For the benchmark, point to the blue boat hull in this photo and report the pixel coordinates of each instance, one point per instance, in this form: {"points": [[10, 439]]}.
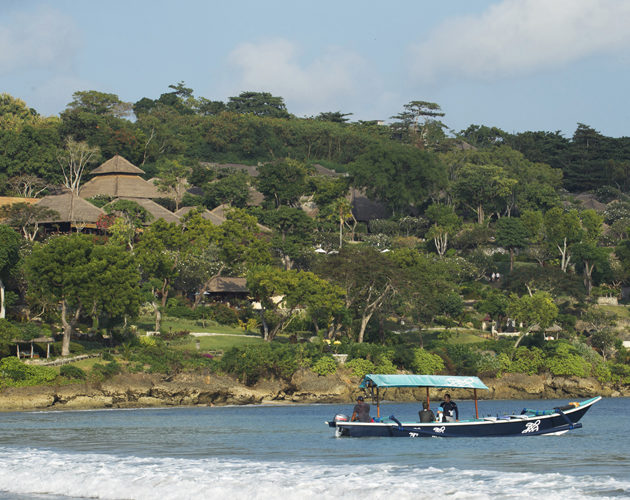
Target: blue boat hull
{"points": [[557, 421]]}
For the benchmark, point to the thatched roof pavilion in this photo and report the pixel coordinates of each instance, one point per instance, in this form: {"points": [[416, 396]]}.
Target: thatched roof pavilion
{"points": [[118, 177], [71, 209]]}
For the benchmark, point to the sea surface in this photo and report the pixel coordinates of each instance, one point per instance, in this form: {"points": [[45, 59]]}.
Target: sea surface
{"points": [[287, 452]]}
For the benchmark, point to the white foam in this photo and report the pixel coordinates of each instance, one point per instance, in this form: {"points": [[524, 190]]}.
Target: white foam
{"points": [[36, 472]]}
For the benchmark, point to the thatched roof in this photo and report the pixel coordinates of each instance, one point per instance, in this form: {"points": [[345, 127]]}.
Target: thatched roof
{"points": [[206, 214], [119, 185], [365, 210], [71, 208], [157, 211], [589, 200], [117, 165], [255, 198], [221, 284]]}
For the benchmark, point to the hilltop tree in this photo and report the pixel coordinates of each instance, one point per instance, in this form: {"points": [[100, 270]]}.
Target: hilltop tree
{"points": [[259, 104], [418, 125]]}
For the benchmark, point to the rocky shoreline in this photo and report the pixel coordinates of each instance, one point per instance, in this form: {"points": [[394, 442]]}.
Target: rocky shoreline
{"points": [[146, 390]]}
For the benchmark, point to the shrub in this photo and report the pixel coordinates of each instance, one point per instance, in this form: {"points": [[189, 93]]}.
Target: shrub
{"points": [[250, 363], [106, 371], [385, 366], [72, 371], [570, 365], [223, 314], [360, 367], [528, 361], [326, 365], [427, 363], [15, 373]]}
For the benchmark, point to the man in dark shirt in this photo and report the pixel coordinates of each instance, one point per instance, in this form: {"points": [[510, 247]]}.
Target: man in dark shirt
{"points": [[426, 415], [451, 413], [361, 411]]}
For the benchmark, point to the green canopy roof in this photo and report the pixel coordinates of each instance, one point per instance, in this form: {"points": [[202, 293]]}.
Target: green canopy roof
{"points": [[444, 381]]}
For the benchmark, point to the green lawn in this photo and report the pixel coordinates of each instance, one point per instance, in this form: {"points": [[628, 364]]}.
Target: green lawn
{"points": [[147, 324], [622, 312], [215, 342]]}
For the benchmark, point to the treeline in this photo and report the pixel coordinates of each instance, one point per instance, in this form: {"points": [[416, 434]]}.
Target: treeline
{"points": [[482, 228]]}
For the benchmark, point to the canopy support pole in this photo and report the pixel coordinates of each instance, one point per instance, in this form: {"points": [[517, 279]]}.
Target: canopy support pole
{"points": [[378, 405], [476, 408], [428, 402]]}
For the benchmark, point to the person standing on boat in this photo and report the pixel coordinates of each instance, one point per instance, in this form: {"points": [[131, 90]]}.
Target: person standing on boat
{"points": [[451, 412], [426, 415], [361, 411]]}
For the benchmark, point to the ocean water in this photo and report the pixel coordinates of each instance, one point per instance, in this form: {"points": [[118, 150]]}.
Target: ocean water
{"points": [[287, 452]]}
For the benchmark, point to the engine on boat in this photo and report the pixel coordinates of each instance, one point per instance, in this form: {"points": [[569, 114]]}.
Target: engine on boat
{"points": [[340, 417]]}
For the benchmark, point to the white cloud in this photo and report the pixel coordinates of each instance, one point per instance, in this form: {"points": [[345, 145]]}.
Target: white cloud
{"points": [[273, 66], [39, 39], [521, 37]]}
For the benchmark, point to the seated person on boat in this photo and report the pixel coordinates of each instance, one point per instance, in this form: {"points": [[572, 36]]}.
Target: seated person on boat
{"points": [[361, 411], [426, 415]]}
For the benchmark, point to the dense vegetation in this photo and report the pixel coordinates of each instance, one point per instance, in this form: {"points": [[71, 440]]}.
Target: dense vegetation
{"points": [[484, 226]]}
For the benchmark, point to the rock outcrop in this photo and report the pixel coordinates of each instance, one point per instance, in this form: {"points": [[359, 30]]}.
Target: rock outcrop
{"points": [[152, 390]]}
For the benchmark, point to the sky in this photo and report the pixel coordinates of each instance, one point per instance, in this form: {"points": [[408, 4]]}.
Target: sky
{"points": [[514, 64]]}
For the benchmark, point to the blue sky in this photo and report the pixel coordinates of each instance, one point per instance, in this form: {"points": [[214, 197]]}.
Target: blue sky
{"points": [[515, 64]]}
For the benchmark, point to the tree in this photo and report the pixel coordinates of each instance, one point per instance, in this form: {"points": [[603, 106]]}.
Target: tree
{"points": [[233, 190], [604, 341], [398, 175], [14, 113], [72, 273], [98, 103], [172, 179], [367, 277], [27, 186], [293, 235], [592, 256], [297, 289], [445, 223], [562, 229], [259, 104], [9, 256], [511, 234], [481, 187], [240, 244], [282, 181], [536, 308], [26, 217], [73, 160], [417, 124], [130, 216], [495, 305]]}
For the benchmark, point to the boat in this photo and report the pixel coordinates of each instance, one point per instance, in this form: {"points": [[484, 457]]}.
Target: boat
{"points": [[528, 422]]}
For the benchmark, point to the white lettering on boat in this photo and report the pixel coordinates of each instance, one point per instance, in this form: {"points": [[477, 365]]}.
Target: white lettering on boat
{"points": [[531, 427], [413, 434], [439, 430]]}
